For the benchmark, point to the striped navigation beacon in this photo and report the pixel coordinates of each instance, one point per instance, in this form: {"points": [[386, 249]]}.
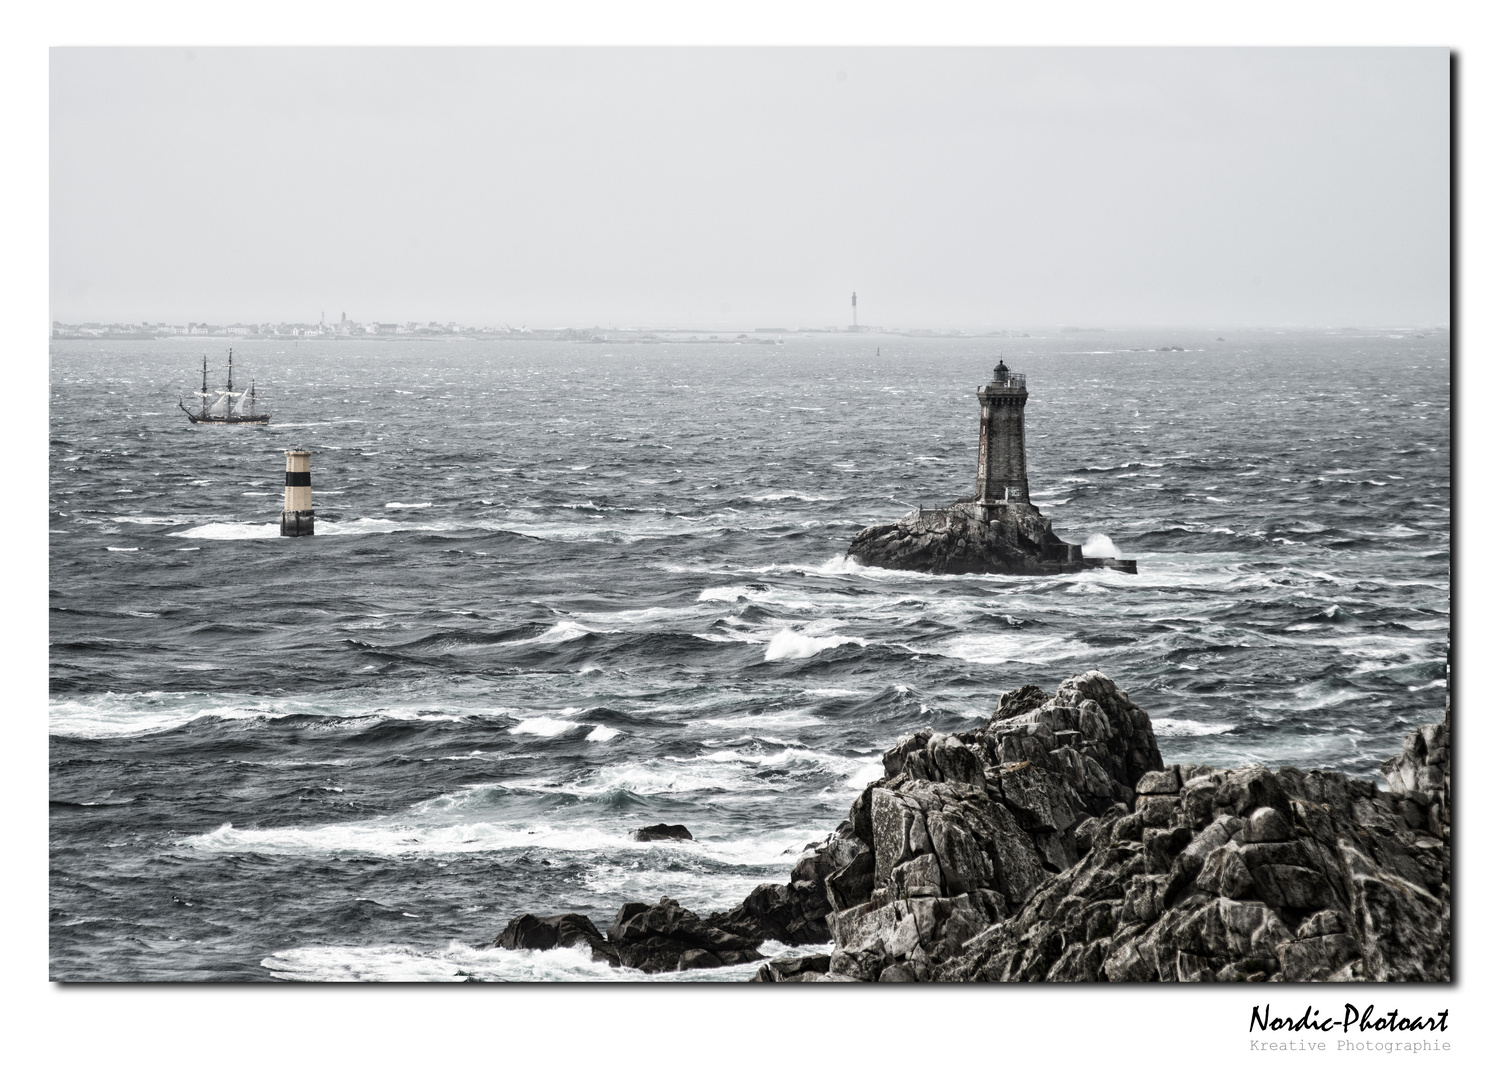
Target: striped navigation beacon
{"points": [[296, 514]]}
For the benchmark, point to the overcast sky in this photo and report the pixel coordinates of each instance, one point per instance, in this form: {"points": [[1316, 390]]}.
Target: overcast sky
{"points": [[752, 187]]}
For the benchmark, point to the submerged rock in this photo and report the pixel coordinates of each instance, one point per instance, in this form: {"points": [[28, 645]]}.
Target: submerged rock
{"points": [[661, 832]]}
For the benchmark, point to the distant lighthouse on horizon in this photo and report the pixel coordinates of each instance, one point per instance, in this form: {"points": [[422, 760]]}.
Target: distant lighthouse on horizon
{"points": [[855, 326]]}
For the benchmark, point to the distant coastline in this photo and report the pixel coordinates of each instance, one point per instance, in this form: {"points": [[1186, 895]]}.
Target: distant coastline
{"points": [[455, 332]]}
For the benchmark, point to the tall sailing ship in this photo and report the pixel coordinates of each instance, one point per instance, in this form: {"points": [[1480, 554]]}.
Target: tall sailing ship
{"points": [[227, 400]]}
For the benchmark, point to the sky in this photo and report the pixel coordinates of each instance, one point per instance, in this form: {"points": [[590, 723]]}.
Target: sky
{"points": [[972, 188]]}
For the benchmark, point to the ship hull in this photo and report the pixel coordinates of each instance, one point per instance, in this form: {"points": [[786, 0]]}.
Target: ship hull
{"points": [[221, 421]]}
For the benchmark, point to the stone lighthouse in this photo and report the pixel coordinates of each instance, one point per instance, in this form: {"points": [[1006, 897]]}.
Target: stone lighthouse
{"points": [[1001, 475], [997, 529]]}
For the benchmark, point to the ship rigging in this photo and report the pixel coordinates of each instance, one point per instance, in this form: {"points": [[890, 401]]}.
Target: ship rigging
{"points": [[238, 406]]}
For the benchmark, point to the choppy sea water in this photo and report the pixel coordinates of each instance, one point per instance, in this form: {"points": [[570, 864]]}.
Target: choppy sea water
{"points": [[560, 591]]}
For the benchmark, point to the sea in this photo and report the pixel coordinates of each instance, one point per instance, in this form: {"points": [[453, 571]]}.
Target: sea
{"points": [[563, 590]]}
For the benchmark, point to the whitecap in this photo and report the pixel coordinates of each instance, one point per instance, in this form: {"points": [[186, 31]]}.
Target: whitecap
{"points": [[546, 727], [723, 593], [566, 630], [1169, 727], [1010, 649], [790, 645], [780, 496], [233, 531], [406, 506], [602, 733]]}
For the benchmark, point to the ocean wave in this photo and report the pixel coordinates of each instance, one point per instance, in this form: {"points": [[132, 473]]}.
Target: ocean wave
{"points": [[546, 727], [1167, 727], [1012, 649], [781, 496], [112, 716], [566, 630], [465, 823], [791, 645], [460, 963]]}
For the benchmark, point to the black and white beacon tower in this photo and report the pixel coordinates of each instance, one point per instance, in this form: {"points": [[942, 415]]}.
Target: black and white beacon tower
{"points": [[296, 512], [1001, 474]]}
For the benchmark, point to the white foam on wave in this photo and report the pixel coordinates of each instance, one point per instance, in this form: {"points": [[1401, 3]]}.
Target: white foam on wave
{"points": [[233, 530], [113, 716], [1171, 727], [1099, 546], [781, 496], [791, 645], [458, 963], [602, 733], [726, 594], [546, 727], [635, 616], [610, 532], [1010, 648], [403, 836], [862, 778], [566, 630], [771, 721], [373, 526], [474, 821], [729, 770], [406, 506]]}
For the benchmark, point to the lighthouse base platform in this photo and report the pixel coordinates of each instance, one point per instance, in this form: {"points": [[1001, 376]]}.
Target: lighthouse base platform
{"points": [[296, 522], [969, 537]]}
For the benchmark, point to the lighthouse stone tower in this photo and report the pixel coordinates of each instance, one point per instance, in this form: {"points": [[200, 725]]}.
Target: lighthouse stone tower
{"points": [[1001, 475], [997, 529]]}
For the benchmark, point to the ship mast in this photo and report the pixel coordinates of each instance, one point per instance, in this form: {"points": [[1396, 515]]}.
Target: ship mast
{"points": [[229, 401], [203, 399]]}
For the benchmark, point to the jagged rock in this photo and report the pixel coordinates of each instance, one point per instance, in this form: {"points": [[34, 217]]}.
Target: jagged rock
{"points": [[1054, 844], [956, 539], [794, 969], [1198, 900], [795, 914], [529, 932], [667, 937], [662, 832], [1018, 702], [555, 932], [1420, 777]]}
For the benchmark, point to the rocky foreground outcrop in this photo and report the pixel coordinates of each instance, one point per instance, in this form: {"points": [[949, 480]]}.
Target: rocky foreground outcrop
{"points": [[1053, 844]]}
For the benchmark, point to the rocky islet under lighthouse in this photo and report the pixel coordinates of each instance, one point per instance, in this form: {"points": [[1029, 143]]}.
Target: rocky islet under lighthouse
{"points": [[996, 530]]}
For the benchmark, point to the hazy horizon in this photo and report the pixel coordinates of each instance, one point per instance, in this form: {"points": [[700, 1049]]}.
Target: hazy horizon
{"points": [[966, 188]]}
